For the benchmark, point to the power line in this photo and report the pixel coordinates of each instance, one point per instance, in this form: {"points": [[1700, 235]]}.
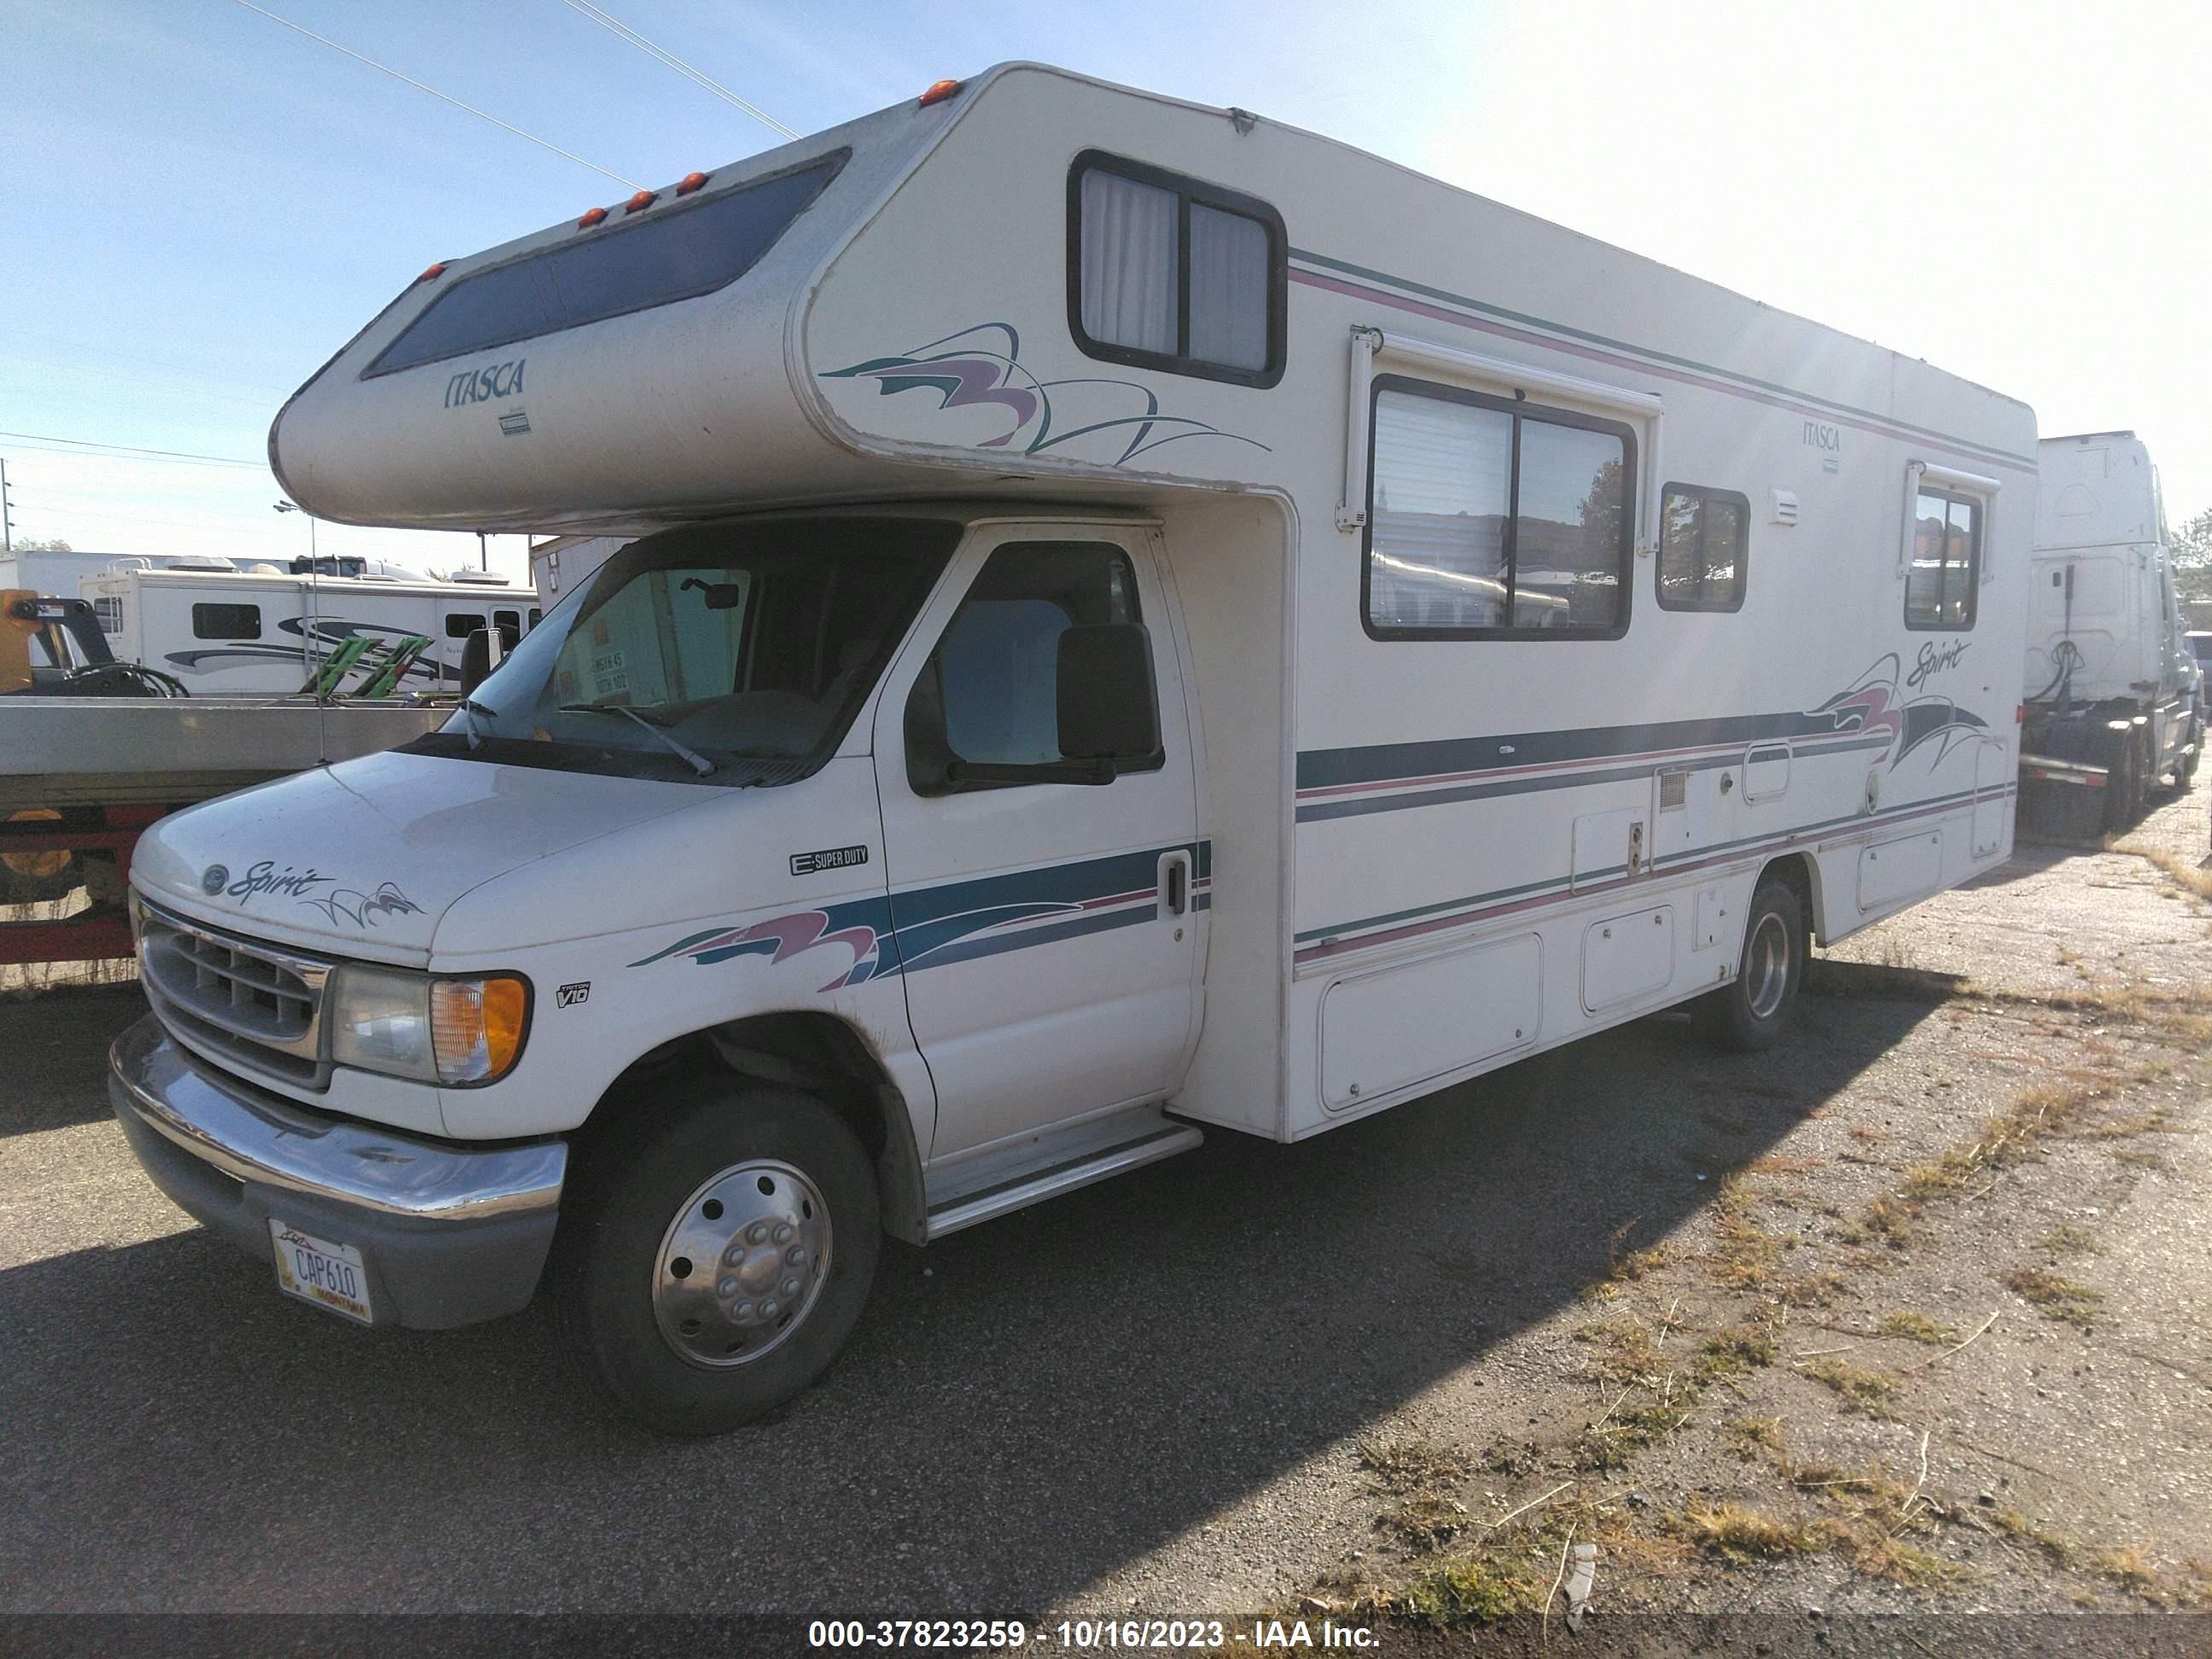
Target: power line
{"points": [[446, 97], [623, 31], [129, 449]]}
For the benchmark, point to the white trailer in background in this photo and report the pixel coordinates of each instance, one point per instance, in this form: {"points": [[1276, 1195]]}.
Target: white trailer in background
{"points": [[2114, 690], [261, 631], [1154, 619]]}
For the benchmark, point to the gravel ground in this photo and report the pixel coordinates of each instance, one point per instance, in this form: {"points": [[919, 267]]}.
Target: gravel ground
{"points": [[1259, 1376]]}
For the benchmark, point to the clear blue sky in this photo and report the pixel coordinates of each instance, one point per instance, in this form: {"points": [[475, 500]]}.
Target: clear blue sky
{"points": [[204, 204]]}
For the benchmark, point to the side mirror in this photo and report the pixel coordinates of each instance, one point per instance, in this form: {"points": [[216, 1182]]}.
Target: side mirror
{"points": [[720, 595], [481, 653], [1107, 706]]}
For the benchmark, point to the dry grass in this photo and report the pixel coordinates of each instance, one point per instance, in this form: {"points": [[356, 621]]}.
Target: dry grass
{"points": [[1738, 1532], [2054, 1296], [1919, 1328], [2067, 1239], [2127, 1567], [1870, 1393], [1411, 1466], [1734, 1352], [2015, 1525], [2190, 877], [1756, 1434]]}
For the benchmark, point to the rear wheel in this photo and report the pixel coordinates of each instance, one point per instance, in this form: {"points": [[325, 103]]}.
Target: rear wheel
{"points": [[1752, 1012], [34, 878], [718, 1271], [2184, 773], [2123, 782]]}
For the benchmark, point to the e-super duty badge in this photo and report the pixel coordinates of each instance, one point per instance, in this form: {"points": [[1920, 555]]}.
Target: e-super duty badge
{"points": [[830, 857]]}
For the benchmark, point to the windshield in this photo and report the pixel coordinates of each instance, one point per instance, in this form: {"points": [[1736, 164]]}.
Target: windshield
{"points": [[725, 654]]}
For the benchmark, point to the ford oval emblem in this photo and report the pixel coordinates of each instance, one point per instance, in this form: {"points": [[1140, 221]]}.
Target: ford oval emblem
{"points": [[213, 879]]}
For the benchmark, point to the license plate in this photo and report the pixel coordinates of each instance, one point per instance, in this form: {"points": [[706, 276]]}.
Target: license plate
{"points": [[315, 1270]]}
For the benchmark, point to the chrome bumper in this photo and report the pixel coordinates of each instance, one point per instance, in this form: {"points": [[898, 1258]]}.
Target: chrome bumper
{"points": [[450, 1234]]}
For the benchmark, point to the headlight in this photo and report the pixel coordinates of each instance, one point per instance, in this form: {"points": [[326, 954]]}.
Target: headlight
{"points": [[455, 1031]]}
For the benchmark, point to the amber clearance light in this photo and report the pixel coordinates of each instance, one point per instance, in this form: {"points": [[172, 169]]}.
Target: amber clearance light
{"points": [[937, 93]]}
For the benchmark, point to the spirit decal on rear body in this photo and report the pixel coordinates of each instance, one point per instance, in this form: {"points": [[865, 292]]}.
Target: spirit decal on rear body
{"points": [[976, 374], [957, 922]]}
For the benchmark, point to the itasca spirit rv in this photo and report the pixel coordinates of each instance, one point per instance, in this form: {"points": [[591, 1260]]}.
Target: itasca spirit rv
{"points": [[1140, 619]]}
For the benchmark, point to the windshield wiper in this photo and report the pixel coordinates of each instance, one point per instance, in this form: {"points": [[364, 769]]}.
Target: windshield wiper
{"points": [[470, 709], [698, 761]]}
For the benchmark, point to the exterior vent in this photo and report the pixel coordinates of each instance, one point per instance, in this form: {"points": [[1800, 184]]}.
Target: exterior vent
{"points": [[1785, 507], [1673, 790]]}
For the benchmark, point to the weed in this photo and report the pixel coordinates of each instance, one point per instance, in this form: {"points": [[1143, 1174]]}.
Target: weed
{"points": [[1868, 1393], [2126, 1567], [1886, 1220], [1737, 1532], [1811, 1290], [2141, 1157], [1920, 1328], [2067, 1239], [1625, 1353], [2014, 1524], [1481, 1590], [1785, 1163], [1756, 1433], [1411, 1466], [2053, 1296], [1426, 1520], [1869, 1134], [2180, 871], [1732, 1353], [1611, 1443]]}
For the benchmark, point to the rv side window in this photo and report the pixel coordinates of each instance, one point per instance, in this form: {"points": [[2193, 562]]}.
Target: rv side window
{"points": [[226, 622], [676, 253], [1940, 589], [989, 695], [1493, 519], [1170, 273], [507, 619], [110, 612], [460, 624], [1702, 551], [536, 616]]}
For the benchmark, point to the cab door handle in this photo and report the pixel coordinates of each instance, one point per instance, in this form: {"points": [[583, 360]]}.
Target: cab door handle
{"points": [[1174, 883]]}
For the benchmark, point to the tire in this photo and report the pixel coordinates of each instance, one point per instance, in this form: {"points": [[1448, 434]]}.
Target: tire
{"points": [[37, 877], [2123, 787], [1753, 1011], [691, 1345], [2184, 776]]}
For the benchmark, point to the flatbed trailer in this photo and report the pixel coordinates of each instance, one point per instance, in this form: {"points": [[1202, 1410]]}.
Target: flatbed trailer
{"points": [[80, 777]]}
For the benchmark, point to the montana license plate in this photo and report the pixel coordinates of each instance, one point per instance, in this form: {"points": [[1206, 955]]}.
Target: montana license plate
{"points": [[315, 1270]]}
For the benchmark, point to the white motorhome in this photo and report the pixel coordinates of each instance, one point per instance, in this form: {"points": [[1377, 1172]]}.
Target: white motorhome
{"points": [[56, 572], [1141, 618], [260, 630], [2113, 688]]}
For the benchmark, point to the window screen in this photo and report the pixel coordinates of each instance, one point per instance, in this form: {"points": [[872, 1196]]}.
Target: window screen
{"points": [[1703, 553], [226, 622], [1490, 517], [1167, 272], [990, 692], [1941, 587], [674, 254]]}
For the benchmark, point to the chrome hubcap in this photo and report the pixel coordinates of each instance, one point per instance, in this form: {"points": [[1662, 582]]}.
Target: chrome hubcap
{"points": [[741, 1265], [1767, 965]]}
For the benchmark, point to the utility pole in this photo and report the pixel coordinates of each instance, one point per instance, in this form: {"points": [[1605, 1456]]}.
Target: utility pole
{"points": [[7, 513]]}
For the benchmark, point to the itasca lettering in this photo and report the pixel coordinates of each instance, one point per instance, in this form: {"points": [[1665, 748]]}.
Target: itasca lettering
{"points": [[483, 384]]}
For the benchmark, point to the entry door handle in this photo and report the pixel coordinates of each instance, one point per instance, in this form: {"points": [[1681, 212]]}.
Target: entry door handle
{"points": [[1174, 883]]}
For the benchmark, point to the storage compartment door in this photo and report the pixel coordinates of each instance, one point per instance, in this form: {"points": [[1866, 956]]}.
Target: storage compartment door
{"points": [[1894, 871], [1399, 1026], [1627, 957]]}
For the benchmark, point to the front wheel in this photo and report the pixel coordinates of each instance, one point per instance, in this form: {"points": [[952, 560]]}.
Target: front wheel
{"points": [[1752, 1012], [718, 1271]]}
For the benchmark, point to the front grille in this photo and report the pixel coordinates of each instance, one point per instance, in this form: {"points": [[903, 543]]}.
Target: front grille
{"points": [[237, 1001]]}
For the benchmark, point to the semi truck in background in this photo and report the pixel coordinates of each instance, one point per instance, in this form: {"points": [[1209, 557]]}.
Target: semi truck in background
{"points": [[2114, 693]]}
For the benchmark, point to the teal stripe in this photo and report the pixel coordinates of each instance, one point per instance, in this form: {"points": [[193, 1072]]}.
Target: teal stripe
{"points": [[1571, 332], [1476, 901]]}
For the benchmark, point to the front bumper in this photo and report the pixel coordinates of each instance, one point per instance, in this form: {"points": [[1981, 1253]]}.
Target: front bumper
{"points": [[449, 1234]]}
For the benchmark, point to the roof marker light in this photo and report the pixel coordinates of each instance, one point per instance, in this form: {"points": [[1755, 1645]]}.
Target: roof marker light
{"points": [[643, 199], [438, 270], [691, 181], [593, 217], [937, 93]]}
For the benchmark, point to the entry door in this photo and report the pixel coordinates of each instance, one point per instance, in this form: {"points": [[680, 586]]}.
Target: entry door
{"points": [[1048, 932]]}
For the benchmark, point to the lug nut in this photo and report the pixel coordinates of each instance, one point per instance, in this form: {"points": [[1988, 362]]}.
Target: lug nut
{"points": [[727, 1288], [757, 1233], [783, 1232], [735, 1254], [796, 1255]]}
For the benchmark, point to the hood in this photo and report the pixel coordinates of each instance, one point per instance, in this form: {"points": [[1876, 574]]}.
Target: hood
{"points": [[366, 857]]}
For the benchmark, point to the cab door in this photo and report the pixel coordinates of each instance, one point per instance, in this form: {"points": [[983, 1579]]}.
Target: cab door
{"points": [[1048, 928]]}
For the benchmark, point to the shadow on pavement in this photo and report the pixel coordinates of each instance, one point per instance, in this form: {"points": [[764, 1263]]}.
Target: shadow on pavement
{"points": [[1027, 1405]]}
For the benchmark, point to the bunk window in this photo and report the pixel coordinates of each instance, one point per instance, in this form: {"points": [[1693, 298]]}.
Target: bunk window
{"points": [[1490, 518], [1167, 272], [1702, 549], [676, 253], [226, 622], [1940, 587]]}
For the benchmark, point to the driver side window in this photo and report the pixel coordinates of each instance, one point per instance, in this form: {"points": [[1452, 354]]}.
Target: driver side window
{"points": [[989, 695]]}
